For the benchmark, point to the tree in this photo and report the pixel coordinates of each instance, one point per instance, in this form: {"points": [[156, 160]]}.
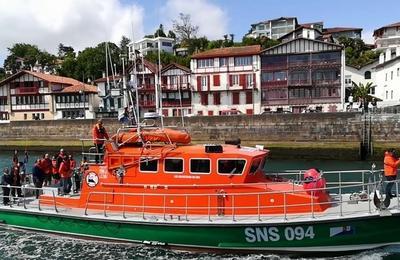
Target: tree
{"points": [[167, 58], [2, 74], [64, 51], [123, 44], [358, 54], [265, 42], [184, 29], [362, 92], [160, 32], [171, 34], [26, 56]]}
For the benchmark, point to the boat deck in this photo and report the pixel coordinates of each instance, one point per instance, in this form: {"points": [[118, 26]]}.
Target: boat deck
{"points": [[342, 207]]}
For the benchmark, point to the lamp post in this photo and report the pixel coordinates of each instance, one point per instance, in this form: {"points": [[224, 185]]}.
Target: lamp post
{"points": [[82, 92]]}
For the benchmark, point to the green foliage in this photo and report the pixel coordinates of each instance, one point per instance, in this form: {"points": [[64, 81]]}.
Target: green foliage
{"points": [[123, 44], [2, 74], [91, 62], [265, 42], [25, 56], [358, 54], [160, 32], [167, 58], [361, 91], [64, 51], [171, 34]]}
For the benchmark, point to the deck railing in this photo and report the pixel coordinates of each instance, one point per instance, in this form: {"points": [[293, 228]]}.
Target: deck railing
{"points": [[340, 189]]}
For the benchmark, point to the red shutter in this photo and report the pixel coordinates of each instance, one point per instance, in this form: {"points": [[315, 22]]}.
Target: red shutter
{"points": [[249, 111], [210, 113], [217, 98], [230, 80], [208, 82], [254, 81], [198, 83], [235, 98], [216, 80], [242, 81], [164, 80], [249, 97]]}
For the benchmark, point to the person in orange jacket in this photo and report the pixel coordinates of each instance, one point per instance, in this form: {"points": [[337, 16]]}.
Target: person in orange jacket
{"points": [[99, 136], [390, 163], [65, 174]]}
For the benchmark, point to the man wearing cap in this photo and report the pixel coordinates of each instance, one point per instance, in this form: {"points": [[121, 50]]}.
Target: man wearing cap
{"points": [[99, 136]]}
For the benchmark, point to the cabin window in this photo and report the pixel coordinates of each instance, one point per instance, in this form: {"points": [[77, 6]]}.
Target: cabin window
{"points": [[148, 165], [200, 166], [173, 165], [255, 165], [231, 166]]}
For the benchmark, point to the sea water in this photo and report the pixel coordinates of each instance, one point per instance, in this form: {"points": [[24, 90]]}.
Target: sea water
{"points": [[20, 244]]}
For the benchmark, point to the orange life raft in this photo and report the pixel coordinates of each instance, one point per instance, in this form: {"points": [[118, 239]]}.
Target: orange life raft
{"points": [[155, 135]]}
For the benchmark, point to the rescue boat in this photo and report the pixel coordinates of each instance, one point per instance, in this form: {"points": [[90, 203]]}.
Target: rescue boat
{"points": [[162, 191]]}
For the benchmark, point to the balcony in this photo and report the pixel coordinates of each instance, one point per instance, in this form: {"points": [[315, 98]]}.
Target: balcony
{"points": [[182, 86], [150, 103], [176, 103], [274, 66], [326, 82], [275, 83], [24, 91], [299, 82], [326, 63], [147, 87], [299, 64]]}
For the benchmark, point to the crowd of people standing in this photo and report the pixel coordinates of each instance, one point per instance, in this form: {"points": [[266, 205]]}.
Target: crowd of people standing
{"points": [[57, 171]]}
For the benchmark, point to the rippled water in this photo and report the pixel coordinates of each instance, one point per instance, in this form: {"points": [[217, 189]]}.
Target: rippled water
{"points": [[20, 244]]}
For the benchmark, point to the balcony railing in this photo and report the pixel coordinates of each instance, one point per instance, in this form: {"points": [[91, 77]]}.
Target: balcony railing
{"points": [[147, 87], [176, 103], [275, 83], [147, 103], [274, 66], [299, 82], [182, 86], [30, 90], [326, 81]]}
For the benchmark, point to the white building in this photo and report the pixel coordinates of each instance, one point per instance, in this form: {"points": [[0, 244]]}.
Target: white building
{"points": [[111, 96], [28, 95], [146, 45], [226, 79], [387, 36], [274, 28], [359, 75], [388, 78]]}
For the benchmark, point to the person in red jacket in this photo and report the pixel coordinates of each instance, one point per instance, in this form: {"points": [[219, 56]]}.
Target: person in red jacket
{"points": [[65, 174], [390, 162], [99, 136], [47, 168]]}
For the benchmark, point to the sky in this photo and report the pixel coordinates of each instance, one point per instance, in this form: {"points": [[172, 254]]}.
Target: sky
{"points": [[85, 23]]}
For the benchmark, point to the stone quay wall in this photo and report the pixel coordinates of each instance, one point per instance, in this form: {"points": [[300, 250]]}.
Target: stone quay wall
{"points": [[321, 127]]}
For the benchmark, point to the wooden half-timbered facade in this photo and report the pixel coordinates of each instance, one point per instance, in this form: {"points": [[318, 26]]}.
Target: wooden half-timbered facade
{"points": [[28, 95], [226, 79], [176, 90], [302, 75]]}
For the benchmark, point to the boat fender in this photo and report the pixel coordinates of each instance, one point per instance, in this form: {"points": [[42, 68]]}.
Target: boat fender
{"points": [[379, 202], [313, 180]]}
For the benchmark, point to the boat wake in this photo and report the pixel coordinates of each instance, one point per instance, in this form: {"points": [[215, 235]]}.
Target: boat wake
{"points": [[21, 244]]}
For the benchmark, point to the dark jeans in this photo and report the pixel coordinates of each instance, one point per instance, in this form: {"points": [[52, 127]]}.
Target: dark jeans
{"points": [[47, 179], [38, 184], [99, 149], [389, 185], [66, 184], [6, 195]]}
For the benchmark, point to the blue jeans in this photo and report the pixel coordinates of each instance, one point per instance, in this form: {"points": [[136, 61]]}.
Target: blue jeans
{"points": [[66, 184]]}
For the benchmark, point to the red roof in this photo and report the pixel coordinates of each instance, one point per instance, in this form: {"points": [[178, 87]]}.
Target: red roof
{"points": [[340, 29], [80, 87], [46, 77], [387, 26], [175, 65], [229, 52], [105, 79]]}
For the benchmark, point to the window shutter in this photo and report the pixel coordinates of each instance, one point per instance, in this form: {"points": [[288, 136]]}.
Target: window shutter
{"points": [[216, 80], [230, 80], [198, 83], [242, 81], [254, 80], [208, 82], [164, 80]]}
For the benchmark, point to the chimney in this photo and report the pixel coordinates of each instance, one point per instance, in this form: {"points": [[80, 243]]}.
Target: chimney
{"points": [[381, 58], [388, 54], [397, 51]]}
